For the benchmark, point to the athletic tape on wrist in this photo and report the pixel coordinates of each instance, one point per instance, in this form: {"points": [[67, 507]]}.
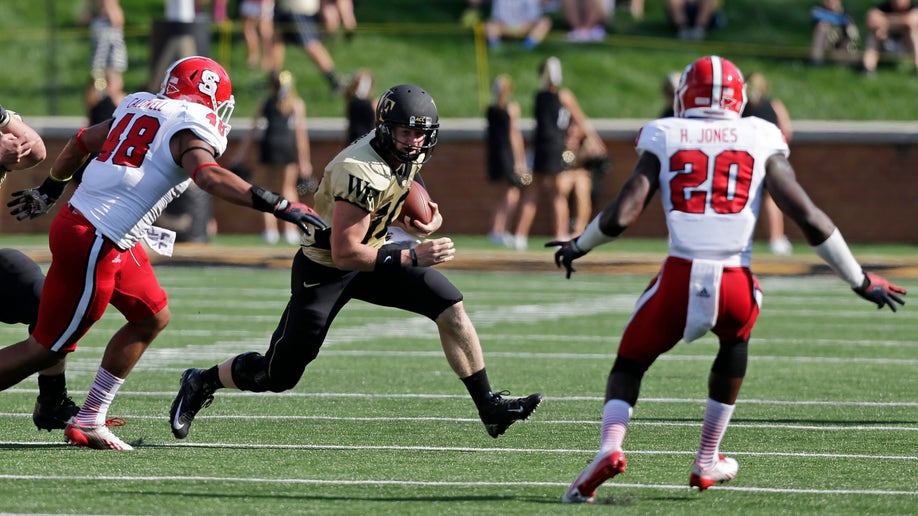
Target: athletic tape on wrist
{"points": [[592, 236], [836, 253]]}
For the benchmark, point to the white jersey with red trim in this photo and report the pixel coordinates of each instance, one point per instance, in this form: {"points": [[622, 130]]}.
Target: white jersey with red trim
{"points": [[711, 180], [128, 185]]}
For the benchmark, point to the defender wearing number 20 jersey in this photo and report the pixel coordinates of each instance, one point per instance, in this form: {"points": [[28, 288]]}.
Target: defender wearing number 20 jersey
{"points": [[711, 175]]}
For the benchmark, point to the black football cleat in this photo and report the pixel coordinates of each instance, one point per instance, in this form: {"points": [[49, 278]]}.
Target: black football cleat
{"points": [[499, 413], [53, 412], [193, 395]]}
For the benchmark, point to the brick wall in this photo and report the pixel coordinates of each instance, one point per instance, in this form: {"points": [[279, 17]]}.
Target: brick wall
{"points": [[865, 176]]}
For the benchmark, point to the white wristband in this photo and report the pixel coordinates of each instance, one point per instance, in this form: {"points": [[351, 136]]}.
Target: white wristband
{"points": [[592, 236], [836, 253]]}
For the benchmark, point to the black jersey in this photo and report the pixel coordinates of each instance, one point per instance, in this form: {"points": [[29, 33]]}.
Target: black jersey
{"points": [[551, 122], [763, 110], [500, 150], [278, 144]]}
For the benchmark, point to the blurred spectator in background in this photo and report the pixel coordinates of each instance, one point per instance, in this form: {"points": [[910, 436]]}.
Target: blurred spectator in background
{"points": [[295, 22], [101, 102], [339, 14], [774, 111], [180, 42], [506, 157], [586, 19], [284, 154], [691, 19], [636, 7], [360, 105], [555, 109], [258, 31], [517, 19], [109, 53], [834, 31], [668, 90], [102, 97], [891, 26], [586, 166]]}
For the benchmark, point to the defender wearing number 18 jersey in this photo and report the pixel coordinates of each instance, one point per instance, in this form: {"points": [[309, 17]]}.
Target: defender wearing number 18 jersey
{"points": [[136, 163]]}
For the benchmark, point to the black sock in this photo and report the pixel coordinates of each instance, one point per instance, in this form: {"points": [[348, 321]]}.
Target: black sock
{"points": [[52, 385], [212, 377], [479, 387], [333, 80]]}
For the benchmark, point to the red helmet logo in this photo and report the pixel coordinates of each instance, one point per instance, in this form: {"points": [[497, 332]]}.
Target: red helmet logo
{"points": [[203, 81], [710, 87]]}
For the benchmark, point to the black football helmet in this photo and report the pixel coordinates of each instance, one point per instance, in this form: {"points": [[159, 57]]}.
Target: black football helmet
{"points": [[407, 105]]}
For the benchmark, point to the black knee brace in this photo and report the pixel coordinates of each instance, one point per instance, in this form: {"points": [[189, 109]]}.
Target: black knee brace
{"points": [[731, 359], [250, 372], [625, 380]]}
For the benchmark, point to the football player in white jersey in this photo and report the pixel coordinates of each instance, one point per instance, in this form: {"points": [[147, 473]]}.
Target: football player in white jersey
{"points": [[135, 163], [361, 193], [710, 167]]}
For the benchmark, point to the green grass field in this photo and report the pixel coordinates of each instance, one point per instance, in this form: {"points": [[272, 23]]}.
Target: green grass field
{"points": [[826, 424]]}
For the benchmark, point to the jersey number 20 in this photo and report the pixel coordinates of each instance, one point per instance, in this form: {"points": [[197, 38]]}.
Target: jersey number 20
{"points": [[731, 176]]}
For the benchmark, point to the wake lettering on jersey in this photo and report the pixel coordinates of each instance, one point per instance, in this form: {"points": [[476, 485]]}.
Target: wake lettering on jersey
{"points": [[360, 189]]}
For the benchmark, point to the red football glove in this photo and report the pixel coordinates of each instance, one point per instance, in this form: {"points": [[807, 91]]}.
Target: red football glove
{"points": [[299, 214], [877, 289]]}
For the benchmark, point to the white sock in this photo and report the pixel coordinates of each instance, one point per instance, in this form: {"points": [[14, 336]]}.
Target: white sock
{"points": [[615, 417], [716, 418], [95, 409]]}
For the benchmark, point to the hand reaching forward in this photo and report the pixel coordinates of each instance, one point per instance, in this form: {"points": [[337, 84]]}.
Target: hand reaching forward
{"points": [[299, 214], [877, 289], [566, 254]]}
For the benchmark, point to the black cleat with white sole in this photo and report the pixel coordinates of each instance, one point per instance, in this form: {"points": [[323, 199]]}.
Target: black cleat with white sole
{"points": [[54, 412], [498, 413], [193, 395]]}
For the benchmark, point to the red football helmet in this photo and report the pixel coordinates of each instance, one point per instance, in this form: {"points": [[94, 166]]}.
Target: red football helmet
{"points": [[203, 81], [710, 87]]}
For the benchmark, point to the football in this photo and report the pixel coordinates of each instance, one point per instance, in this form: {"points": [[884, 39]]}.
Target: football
{"points": [[415, 206]]}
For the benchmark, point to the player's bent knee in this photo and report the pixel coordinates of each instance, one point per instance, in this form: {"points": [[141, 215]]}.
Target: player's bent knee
{"points": [[732, 359], [250, 373]]}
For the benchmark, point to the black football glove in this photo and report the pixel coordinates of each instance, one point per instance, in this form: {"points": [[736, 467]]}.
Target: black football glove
{"points": [[299, 214], [877, 289], [566, 254], [35, 202]]}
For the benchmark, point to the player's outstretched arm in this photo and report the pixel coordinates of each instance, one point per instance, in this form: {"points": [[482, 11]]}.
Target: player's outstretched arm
{"points": [[34, 202], [615, 217], [877, 289], [826, 239], [197, 158]]}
